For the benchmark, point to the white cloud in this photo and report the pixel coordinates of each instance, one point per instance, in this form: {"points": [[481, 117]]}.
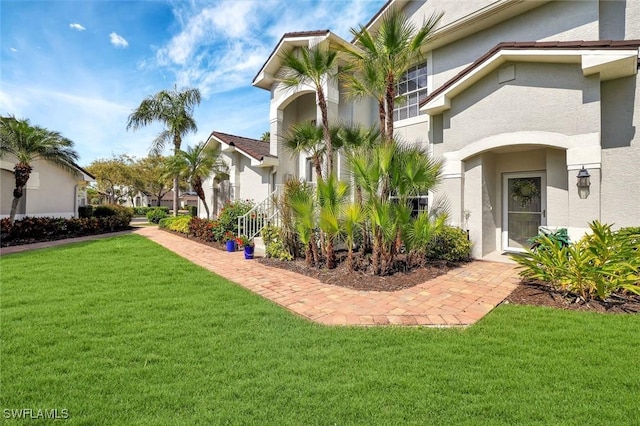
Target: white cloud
{"points": [[13, 49], [118, 41], [77, 27]]}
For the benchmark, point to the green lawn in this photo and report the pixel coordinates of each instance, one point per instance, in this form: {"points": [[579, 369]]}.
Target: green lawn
{"points": [[122, 331]]}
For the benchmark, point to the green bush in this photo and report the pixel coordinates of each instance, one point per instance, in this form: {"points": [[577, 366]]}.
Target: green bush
{"points": [[599, 264], [154, 215], [36, 229], [275, 248], [193, 211], [560, 237], [451, 244], [142, 211], [85, 211], [122, 214], [228, 216]]}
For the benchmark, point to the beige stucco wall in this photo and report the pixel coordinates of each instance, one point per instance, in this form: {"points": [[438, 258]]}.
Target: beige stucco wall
{"points": [[621, 151], [557, 20], [619, 19], [51, 191], [542, 97]]}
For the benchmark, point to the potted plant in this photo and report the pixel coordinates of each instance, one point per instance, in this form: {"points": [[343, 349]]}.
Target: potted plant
{"points": [[230, 241], [247, 244]]}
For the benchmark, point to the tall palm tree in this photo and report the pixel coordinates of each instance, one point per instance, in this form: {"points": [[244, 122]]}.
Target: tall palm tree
{"points": [[388, 53], [313, 66], [195, 164], [28, 144], [174, 109]]}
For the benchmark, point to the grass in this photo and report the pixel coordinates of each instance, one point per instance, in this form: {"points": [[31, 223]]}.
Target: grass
{"points": [[122, 331]]}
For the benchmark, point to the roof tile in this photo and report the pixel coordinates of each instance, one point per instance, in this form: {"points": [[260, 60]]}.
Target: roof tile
{"points": [[255, 148]]}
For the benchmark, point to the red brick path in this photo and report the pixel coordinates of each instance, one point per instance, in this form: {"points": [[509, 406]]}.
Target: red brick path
{"points": [[459, 298]]}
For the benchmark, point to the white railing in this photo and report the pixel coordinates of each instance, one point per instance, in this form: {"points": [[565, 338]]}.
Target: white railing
{"points": [[262, 214]]}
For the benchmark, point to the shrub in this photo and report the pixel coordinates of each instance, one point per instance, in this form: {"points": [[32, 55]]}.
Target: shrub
{"points": [[599, 264], [193, 210], [85, 211], [35, 229], [275, 247], [154, 215], [121, 216], [143, 210], [559, 237], [201, 229], [180, 224], [228, 216], [451, 244]]}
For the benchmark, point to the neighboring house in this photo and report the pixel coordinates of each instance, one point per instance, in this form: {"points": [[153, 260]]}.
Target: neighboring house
{"points": [[51, 191], [250, 175], [184, 199], [516, 98]]}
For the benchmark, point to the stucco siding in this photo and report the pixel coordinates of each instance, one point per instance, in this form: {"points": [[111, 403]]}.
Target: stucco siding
{"points": [[620, 151], [543, 97], [557, 21], [7, 184]]}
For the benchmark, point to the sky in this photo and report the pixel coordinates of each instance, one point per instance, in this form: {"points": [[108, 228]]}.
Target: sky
{"points": [[81, 67]]}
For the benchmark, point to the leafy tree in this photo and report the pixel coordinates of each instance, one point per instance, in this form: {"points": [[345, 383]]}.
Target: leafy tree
{"points": [[384, 56], [174, 109], [306, 137], [195, 164], [28, 144], [115, 178], [314, 67], [152, 176]]}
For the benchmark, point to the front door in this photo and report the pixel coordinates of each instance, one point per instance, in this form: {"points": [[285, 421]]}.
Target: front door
{"points": [[524, 208]]}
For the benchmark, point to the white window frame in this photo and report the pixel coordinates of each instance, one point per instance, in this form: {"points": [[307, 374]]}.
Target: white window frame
{"points": [[409, 92]]}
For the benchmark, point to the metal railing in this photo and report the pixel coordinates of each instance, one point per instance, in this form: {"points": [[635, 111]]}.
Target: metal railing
{"points": [[262, 214]]}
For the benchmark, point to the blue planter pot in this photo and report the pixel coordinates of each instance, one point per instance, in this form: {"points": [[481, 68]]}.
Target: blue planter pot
{"points": [[231, 246], [248, 252]]}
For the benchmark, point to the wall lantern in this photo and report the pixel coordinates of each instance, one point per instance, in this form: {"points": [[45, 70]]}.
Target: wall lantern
{"points": [[583, 183]]}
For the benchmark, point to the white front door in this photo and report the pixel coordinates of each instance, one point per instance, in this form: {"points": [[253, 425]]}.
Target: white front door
{"points": [[524, 208]]}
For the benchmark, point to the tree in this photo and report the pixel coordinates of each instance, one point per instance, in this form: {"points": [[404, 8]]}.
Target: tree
{"points": [[195, 164], [266, 136], [115, 178], [174, 109], [306, 137], [313, 66], [386, 55], [29, 144], [152, 177]]}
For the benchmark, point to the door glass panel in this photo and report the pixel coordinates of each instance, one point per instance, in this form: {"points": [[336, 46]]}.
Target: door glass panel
{"points": [[524, 210]]}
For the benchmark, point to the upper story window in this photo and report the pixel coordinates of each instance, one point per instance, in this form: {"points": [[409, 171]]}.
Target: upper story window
{"points": [[410, 90]]}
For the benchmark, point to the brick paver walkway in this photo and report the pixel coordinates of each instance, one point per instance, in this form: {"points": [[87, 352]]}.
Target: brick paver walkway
{"points": [[459, 298]]}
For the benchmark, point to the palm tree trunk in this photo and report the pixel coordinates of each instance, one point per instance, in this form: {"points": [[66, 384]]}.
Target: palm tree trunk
{"points": [[322, 102], [331, 254], [197, 186], [382, 116], [176, 179], [318, 166], [390, 98], [21, 172]]}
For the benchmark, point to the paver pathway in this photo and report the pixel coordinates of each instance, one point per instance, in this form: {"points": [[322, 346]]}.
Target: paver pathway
{"points": [[460, 297]]}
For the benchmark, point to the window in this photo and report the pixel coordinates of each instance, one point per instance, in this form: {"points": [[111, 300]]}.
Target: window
{"points": [[309, 169], [418, 203], [410, 90]]}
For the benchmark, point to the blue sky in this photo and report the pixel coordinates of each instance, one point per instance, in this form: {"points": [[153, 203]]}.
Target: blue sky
{"points": [[81, 67]]}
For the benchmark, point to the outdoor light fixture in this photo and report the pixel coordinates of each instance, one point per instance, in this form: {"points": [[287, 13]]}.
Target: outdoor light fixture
{"points": [[583, 183]]}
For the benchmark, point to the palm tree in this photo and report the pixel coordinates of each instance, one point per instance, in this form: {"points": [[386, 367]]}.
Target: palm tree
{"points": [[314, 67], [386, 55], [195, 164], [29, 144], [332, 194], [174, 109], [306, 137], [266, 136]]}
